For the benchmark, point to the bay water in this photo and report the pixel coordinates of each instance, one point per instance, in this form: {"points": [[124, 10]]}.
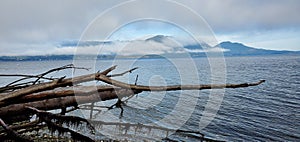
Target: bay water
{"points": [[267, 112]]}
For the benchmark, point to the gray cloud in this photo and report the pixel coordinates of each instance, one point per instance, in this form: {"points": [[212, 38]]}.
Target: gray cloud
{"points": [[236, 15], [46, 20], [34, 23]]}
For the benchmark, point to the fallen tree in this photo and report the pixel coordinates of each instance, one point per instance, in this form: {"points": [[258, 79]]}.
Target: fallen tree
{"points": [[20, 100]]}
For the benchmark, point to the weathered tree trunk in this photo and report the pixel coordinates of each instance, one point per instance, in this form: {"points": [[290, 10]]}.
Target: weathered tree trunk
{"points": [[50, 100], [67, 101], [61, 93]]}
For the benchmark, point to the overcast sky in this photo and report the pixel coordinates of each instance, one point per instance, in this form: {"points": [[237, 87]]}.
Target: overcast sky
{"points": [[38, 27]]}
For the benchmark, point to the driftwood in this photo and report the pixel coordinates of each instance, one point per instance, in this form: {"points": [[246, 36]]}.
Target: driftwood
{"points": [[19, 100]]}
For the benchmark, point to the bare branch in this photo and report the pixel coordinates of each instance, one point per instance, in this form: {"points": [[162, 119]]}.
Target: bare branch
{"points": [[15, 87], [121, 74], [54, 84], [105, 72], [25, 75], [40, 76], [173, 87]]}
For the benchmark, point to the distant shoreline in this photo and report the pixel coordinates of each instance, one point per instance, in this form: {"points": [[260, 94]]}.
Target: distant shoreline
{"points": [[113, 57]]}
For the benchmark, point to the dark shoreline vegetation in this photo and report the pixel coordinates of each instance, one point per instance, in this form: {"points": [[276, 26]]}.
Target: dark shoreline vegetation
{"points": [[111, 57]]}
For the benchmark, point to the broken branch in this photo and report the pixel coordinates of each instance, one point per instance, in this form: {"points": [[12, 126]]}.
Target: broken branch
{"points": [[173, 87]]}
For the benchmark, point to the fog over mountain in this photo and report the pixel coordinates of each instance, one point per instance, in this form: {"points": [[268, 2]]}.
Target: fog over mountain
{"points": [[161, 44], [157, 44], [154, 45]]}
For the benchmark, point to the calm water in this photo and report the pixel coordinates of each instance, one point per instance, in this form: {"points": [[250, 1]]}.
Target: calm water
{"points": [[268, 112]]}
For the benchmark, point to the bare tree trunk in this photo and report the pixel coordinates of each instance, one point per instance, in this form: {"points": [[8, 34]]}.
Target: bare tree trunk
{"points": [[61, 93]]}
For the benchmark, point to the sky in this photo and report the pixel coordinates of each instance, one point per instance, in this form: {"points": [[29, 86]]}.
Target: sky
{"points": [[35, 27]]}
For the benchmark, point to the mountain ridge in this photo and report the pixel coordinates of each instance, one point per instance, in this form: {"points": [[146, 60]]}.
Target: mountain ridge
{"points": [[193, 48], [239, 49]]}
